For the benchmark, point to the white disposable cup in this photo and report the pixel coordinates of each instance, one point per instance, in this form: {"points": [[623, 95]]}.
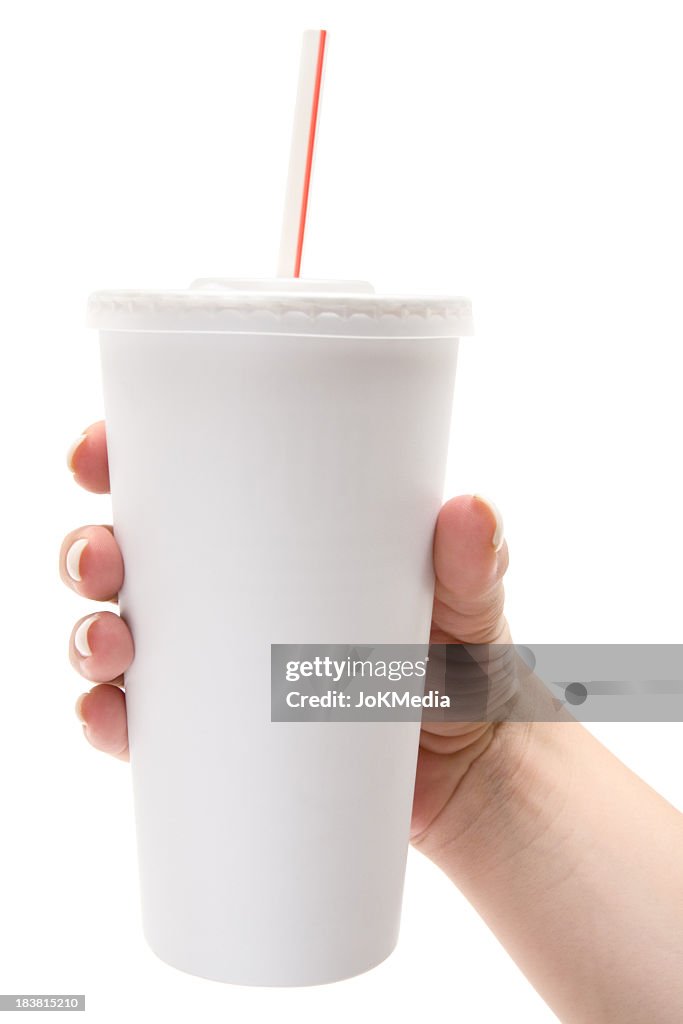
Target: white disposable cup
{"points": [[277, 455]]}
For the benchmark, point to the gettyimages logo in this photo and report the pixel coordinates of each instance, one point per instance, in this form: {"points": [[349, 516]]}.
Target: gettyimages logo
{"points": [[477, 682]]}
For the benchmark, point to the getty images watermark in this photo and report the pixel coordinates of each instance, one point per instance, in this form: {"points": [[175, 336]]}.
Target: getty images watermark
{"points": [[476, 682]]}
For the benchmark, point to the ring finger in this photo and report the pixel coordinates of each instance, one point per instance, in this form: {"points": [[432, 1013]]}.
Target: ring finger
{"points": [[101, 647]]}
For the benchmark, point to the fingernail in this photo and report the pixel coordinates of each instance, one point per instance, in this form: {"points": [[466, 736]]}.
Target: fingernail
{"points": [[81, 636], [498, 533], [79, 707], [73, 558], [72, 451]]}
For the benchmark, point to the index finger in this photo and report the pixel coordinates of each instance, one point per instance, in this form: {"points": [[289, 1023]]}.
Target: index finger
{"points": [[87, 459]]}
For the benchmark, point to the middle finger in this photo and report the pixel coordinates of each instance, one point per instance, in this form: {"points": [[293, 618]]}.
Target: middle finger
{"points": [[90, 563]]}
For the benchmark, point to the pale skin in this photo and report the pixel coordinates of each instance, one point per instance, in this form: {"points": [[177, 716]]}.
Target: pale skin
{"points": [[572, 860]]}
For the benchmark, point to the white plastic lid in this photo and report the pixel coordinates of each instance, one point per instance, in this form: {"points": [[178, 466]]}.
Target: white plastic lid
{"points": [[281, 305]]}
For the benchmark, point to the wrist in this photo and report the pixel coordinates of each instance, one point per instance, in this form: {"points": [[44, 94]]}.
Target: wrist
{"points": [[506, 803]]}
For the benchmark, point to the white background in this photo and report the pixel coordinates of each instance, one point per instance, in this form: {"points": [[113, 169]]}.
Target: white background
{"points": [[526, 155]]}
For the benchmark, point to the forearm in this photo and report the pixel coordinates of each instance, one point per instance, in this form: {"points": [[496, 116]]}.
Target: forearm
{"points": [[577, 866]]}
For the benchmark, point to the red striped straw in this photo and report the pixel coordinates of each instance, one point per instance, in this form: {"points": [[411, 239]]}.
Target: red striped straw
{"points": [[301, 153]]}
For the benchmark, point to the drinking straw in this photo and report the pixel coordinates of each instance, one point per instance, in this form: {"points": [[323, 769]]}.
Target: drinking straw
{"points": [[301, 152]]}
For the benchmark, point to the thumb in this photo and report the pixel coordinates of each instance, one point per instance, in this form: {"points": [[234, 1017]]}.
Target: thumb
{"points": [[470, 560]]}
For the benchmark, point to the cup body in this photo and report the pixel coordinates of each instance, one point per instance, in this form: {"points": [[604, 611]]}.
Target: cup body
{"points": [[270, 486]]}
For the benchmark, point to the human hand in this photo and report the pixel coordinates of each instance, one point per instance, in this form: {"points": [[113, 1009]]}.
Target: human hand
{"points": [[470, 558], [101, 646]]}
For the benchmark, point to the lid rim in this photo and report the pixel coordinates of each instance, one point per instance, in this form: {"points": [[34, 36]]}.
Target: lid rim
{"points": [[312, 311]]}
